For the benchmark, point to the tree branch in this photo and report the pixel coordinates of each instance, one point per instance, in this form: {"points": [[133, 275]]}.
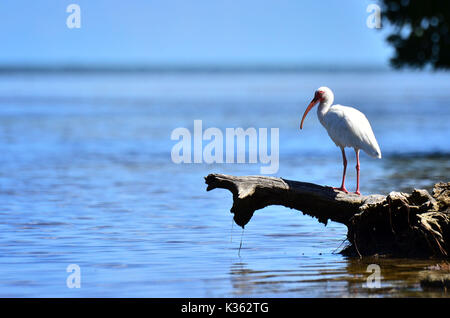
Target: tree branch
{"points": [[251, 193], [399, 223]]}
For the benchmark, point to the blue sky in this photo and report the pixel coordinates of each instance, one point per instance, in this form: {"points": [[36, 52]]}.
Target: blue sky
{"points": [[191, 32]]}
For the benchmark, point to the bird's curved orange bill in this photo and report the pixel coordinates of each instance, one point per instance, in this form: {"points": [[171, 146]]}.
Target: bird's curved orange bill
{"points": [[311, 105]]}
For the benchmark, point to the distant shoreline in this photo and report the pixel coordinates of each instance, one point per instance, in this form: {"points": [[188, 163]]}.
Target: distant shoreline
{"points": [[100, 69]]}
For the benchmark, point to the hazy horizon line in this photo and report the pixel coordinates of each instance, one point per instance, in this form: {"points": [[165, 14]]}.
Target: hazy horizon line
{"points": [[188, 68]]}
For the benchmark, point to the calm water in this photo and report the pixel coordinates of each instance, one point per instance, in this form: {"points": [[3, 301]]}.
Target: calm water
{"points": [[86, 178]]}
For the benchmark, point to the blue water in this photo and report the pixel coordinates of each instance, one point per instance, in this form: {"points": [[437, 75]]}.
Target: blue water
{"points": [[87, 178]]}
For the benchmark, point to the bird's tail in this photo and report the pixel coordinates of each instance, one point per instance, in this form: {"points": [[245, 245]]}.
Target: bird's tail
{"points": [[373, 151]]}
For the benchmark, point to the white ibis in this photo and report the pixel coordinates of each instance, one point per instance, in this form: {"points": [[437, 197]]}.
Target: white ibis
{"points": [[347, 127]]}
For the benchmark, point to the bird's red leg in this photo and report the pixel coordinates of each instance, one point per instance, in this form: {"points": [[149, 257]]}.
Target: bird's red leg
{"points": [[344, 159], [357, 172]]}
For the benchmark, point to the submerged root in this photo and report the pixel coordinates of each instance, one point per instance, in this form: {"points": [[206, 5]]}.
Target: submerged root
{"points": [[410, 225]]}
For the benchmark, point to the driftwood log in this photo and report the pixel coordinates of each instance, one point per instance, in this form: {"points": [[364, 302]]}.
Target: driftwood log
{"points": [[399, 224]]}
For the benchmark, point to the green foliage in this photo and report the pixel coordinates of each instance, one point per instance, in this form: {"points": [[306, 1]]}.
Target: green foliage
{"points": [[421, 34]]}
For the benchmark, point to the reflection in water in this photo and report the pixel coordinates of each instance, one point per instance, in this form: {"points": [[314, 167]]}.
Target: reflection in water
{"points": [[399, 277]]}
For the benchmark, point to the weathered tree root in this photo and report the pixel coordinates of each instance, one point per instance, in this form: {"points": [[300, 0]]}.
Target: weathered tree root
{"points": [[399, 224]]}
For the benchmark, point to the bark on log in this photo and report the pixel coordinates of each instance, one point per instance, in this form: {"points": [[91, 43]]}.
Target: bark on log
{"points": [[399, 224]]}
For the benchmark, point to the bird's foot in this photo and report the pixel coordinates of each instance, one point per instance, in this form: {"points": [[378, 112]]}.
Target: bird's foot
{"points": [[357, 192], [341, 189]]}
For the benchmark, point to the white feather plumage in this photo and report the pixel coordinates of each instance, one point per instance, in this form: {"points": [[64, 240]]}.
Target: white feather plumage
{"points": [[346, 126]]}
